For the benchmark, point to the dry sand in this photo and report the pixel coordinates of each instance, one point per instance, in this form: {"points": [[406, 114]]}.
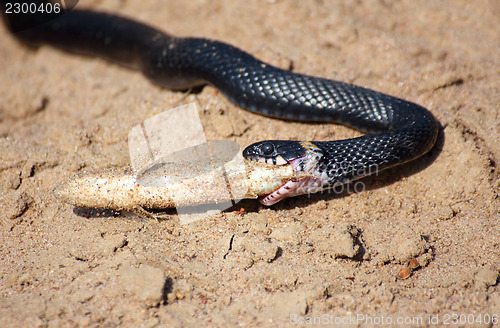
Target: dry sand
{"points": [[326, 256]]}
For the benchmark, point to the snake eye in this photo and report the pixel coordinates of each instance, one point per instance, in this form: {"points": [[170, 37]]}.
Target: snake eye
{"points": [[267, 148]]}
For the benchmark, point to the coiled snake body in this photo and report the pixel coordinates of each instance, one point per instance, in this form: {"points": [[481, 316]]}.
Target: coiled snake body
{"points": [[402, 130]]}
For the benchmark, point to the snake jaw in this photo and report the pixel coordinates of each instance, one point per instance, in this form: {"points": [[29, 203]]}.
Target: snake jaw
{"points": [[291, 188], [309, 180], [277, 160], [302, 157], [282, 192]]}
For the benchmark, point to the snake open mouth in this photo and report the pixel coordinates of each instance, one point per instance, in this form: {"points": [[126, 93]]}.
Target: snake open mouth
{"points": [[293, 187]]}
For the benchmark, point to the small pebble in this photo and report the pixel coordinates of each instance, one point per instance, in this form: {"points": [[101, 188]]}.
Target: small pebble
{"points": [[404, 273], [413, 264]]}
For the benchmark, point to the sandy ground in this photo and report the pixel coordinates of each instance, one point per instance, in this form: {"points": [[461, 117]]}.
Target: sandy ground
{"points": [[328, 257]]}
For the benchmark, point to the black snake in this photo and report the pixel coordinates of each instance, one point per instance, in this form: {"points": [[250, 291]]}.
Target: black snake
{"points": [[401, 130]]}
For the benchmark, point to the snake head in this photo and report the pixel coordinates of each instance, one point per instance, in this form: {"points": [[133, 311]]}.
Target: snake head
{"points": [[302, 156], [277, 152]]}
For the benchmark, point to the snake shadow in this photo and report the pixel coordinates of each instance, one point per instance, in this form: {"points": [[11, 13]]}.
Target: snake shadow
{"points": [[372, 182], [91, 213]]}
